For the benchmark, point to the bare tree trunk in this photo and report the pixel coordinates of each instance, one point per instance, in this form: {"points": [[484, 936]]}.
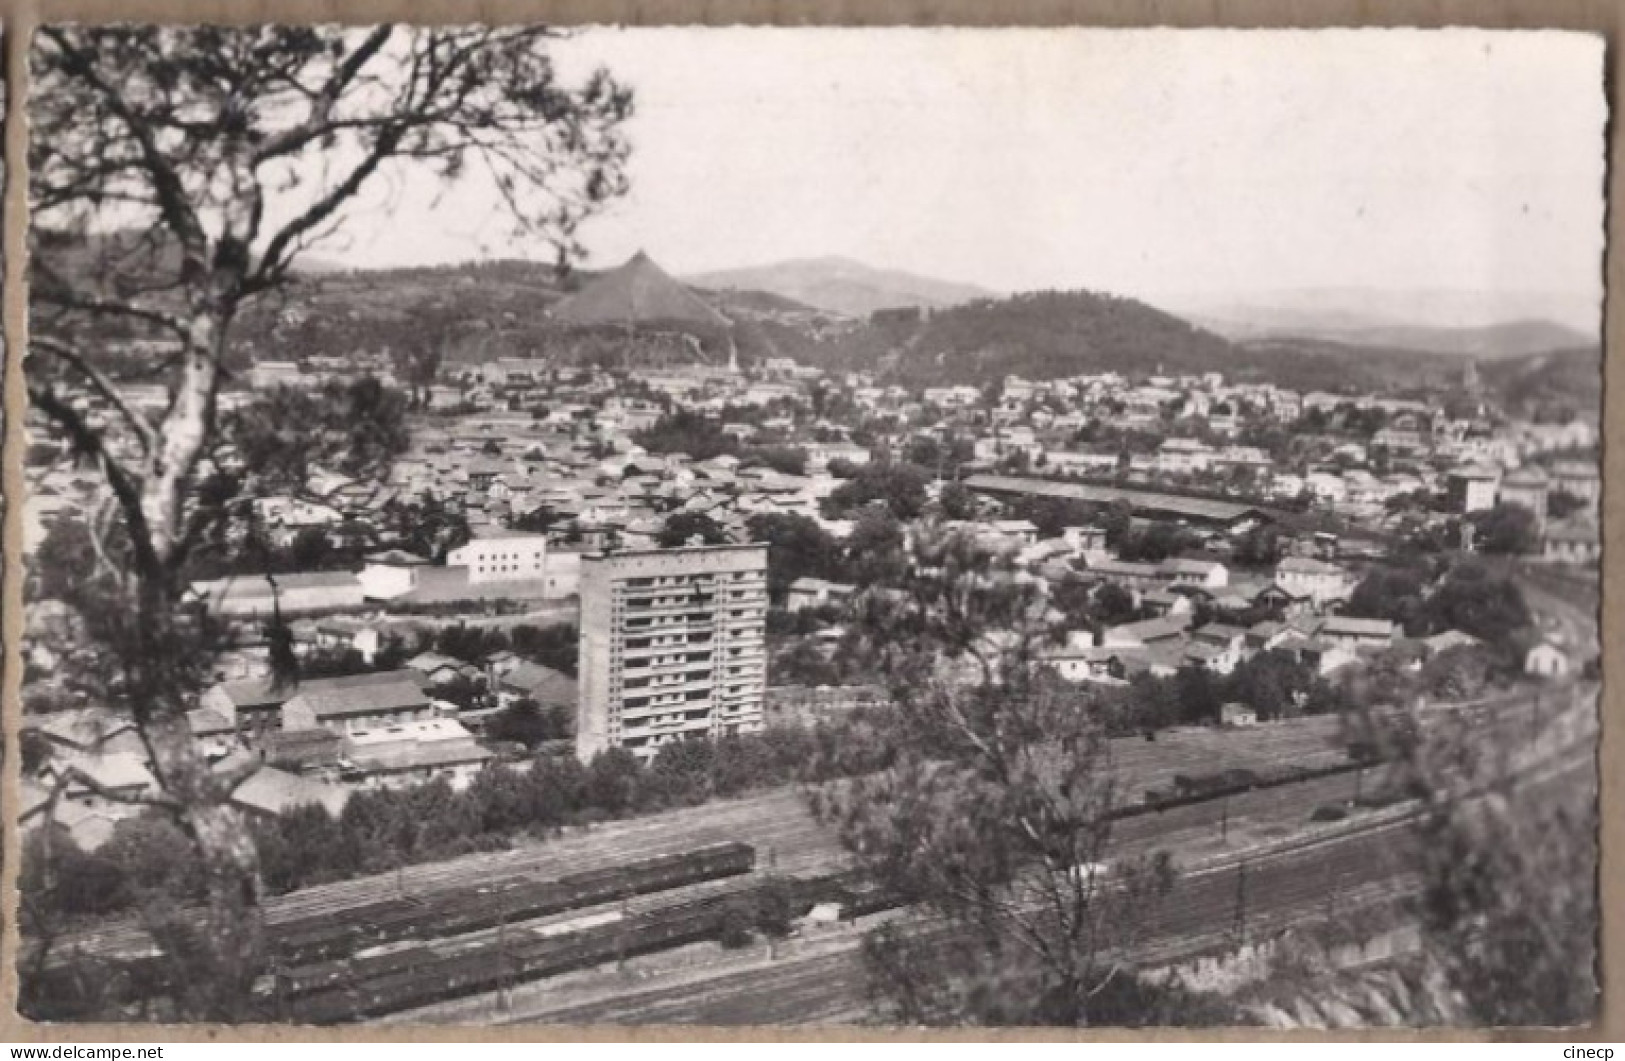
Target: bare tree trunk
{"points": [[185, 431]]}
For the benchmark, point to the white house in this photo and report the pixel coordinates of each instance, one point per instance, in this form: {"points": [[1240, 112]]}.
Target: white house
{"points": [[387, 575], [1183, 456], [1473, 489], [1207, 574], [1084, 539], [1321, 581], [1546, 660], [815, 592], [414, 752], [1575, 542], [1071, 462]]}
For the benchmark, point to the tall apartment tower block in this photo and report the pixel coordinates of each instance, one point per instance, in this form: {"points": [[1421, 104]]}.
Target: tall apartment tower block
{"points": [[672, 644]]}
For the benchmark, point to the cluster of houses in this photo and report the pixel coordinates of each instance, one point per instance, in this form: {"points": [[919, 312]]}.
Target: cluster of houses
{"points": [[1362, 474], [524, 441], [285, 745], [1574, 539], [1161, 646]]}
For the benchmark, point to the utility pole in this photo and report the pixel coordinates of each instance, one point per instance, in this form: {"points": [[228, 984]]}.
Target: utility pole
{"points": [[505, 984], [1224, 820], [620, 934]]}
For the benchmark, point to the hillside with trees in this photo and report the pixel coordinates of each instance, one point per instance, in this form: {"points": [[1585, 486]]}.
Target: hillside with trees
{"points": [[1553, 386], [478, 311], [1052, 333]]}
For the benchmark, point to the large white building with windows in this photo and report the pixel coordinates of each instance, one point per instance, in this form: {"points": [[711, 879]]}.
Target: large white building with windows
{"points": [[672, 646], [496, 554]]}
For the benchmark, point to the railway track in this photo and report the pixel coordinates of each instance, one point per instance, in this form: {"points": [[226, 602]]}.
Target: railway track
{"points": [[796, 846], [777, 823], [825, 984], [1359, 867], [422, 981]]}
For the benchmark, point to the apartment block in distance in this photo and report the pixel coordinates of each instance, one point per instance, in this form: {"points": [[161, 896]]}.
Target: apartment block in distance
{"points": [[672, 644]]}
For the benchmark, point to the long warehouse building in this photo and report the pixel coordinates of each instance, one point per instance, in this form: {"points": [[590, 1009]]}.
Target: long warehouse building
{"points": [[1228, 515]]}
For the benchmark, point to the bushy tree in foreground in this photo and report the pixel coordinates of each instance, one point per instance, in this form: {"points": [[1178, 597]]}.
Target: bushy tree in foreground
{"points": [[1505, 847], [994, 820]]}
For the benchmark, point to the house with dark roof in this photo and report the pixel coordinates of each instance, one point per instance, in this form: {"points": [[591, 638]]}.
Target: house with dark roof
{"points": [[1357, 633], [271, 793], [213, 731], [1529, 487], [1546, 660], [1160, 602], [532, 681], [1263, 636], [256, 703], [436, 668], [342, 632], [1285, 602], [112, 778], [1572, 542], [301, 750], [86, 731], [1206, 574], [1148, 632], [389, 574]]}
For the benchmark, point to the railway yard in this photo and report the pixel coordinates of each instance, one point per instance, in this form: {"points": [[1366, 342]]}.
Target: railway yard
{"points": [[618, 922], [1272, 872]]}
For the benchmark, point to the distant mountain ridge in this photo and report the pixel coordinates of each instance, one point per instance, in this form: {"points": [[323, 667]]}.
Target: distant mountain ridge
{"points": [[636, 292], [1490, 341], [841, 285], [1458, 323], [524, 308]]}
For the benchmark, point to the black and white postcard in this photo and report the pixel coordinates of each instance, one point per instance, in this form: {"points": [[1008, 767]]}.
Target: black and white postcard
{"points": [[811, 527]]}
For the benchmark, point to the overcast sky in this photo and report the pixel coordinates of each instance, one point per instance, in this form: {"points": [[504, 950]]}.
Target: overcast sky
{"points": [[1139, 162]]}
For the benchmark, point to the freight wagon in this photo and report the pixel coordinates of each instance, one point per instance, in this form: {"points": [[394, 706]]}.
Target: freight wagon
{"points": [[458, 913], [518, 958]]}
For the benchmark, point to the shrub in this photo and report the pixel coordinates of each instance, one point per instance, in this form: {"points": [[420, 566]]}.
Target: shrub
{"points": [[734, 925]]}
